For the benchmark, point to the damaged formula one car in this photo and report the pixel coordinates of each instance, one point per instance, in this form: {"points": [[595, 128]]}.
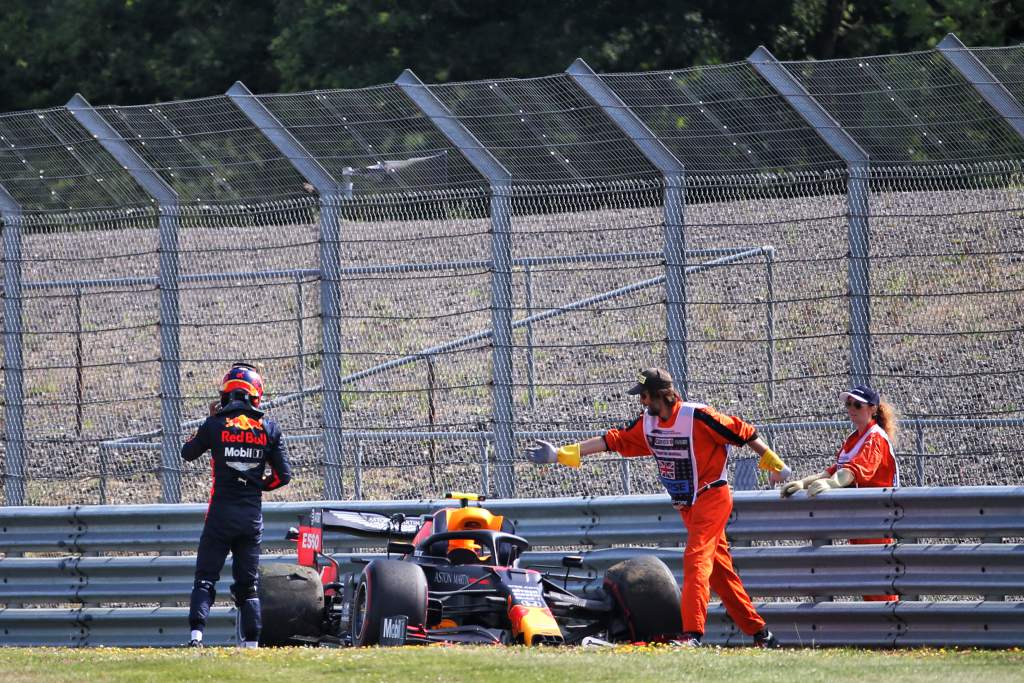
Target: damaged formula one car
{"points": [[454, 576]]}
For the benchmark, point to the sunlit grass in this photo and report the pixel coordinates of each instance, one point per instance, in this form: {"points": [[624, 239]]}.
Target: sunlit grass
{"points": [[625, 664]]}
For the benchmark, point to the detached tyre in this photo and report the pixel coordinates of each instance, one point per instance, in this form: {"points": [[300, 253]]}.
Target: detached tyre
{"points": [[387, 588], [291, 601], [647, 598]]}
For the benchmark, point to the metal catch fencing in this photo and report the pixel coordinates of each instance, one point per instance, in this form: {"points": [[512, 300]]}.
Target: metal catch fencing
{"points": [[464, 266], [458, 461], [92, 578]]}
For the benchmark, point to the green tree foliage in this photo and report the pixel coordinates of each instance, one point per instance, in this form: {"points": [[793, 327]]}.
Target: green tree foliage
{"points": [[137, 51], [131, 51]]}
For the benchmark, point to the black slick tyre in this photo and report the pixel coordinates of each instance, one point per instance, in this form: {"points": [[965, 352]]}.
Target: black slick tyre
{"points": [[387, 588], [646, 597], [291, 602]]}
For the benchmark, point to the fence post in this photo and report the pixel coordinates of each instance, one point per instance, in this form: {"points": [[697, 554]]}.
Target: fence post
{"points": [[500, 181], [14, 373], [331, 203], [769, 266], [485, 472], [530, 379], [103, 457], [79, 361], [858, 193], [358, 485], [919, 444], [674, 210], [983, 80], [300, 343], [431, 417], [169, 222]]}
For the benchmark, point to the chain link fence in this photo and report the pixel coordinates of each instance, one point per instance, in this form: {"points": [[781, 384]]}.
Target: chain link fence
{"points": [[433, 276]]}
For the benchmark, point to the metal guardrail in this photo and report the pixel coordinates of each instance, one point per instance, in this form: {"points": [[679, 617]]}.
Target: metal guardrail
{"points": [[986, 512], [114, 627], [992, 570], [866, 624], [831, 624]]}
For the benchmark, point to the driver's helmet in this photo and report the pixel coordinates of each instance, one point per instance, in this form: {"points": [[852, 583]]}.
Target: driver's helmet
{"points": [[467, 519], [243, 382]]}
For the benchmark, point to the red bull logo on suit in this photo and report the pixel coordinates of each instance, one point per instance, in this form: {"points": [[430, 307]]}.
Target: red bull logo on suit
{"points": [[244, 422], [243, 430]]}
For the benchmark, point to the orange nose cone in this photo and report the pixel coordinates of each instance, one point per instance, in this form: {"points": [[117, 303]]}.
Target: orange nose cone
{"points": [[534, 624]]}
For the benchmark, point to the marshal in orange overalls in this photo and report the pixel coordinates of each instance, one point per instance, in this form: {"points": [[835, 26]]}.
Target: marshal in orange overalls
{"points": [[707, 564]]}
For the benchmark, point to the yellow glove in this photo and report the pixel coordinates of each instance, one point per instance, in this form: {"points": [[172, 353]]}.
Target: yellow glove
{"points": [[778, 472], [569, 455], [771, 461]]}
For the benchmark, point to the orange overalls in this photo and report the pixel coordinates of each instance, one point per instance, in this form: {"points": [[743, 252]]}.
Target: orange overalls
{"points": [[707, 564], [872, 465]]}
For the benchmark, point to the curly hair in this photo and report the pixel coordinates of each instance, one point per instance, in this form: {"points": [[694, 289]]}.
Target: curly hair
{"points": [[886, 417]]}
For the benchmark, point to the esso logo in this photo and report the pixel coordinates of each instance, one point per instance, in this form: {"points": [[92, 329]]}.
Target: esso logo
{"points": [[310, 541]]}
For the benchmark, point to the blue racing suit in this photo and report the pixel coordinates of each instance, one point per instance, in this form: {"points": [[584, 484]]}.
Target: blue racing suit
{"points": [[243, 444]]}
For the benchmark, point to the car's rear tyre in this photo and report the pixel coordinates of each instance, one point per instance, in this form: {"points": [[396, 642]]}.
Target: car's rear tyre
{"points": [[647, 598], [387, 588], [291, 602]]}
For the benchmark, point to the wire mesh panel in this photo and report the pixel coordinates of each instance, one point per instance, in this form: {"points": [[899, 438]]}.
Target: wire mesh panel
{"points": [[544, 130], [206, 150], [90, 361], [605, 321], [947, 277], [49, 163], [722, 119], [415, 273], [770, 330], [588, 304], [87, 246], [247, 249], [767, 325], [373, 141], [417, 326], [416, 322], [383, 467], [1007, 66], [909, 108]]}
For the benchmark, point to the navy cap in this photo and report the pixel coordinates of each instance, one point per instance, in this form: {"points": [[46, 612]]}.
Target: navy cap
{"points": [[862, 393], [651, 379]]}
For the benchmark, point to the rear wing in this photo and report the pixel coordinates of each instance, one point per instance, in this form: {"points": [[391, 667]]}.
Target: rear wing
{"points": [[309, 535], [396, 527]]}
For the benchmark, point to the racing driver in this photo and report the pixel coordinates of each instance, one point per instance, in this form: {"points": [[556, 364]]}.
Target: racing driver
{"points": [[249, 458]]}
